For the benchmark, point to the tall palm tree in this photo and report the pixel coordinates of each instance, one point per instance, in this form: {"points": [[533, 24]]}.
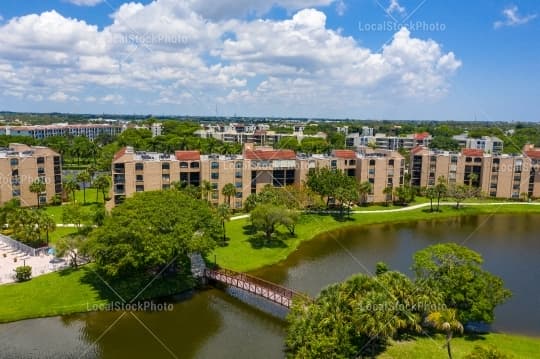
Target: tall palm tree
{"points": [[84, 178], [446, 321], [389, 195], [224, 214], [206, 188], [70, 186], [46, 224], [228, 191], [37, 187], [102, 183]]}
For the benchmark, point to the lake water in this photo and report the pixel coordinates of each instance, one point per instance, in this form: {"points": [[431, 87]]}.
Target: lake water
{"points": [[212, 324]]}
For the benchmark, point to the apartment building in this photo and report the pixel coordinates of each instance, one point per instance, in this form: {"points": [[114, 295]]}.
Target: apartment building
{"points": [[62, 129], [486, 143], [385, 142], [21, 165], [250, 172], [498, 176], [259, 134]]}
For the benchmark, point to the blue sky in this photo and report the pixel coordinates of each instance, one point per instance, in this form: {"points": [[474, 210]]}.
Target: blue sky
{"points": [[386, 59]]}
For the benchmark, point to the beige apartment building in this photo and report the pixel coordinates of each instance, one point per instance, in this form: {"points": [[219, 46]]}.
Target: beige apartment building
{"points": [[250, 172], [498, 176], [21, 165]]}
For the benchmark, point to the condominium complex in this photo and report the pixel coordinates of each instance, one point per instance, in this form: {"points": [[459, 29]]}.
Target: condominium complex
{"points": [[260, 134], [382, 141], [21, 165], [62, 129], [501, 176], [486, 143], [250, 172]]}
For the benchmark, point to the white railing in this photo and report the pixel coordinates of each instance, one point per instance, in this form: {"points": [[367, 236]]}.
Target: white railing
{"points": [[22, 247]]}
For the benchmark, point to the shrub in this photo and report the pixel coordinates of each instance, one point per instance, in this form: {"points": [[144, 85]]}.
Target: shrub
{"points": [[23, 273], [487, 352]]}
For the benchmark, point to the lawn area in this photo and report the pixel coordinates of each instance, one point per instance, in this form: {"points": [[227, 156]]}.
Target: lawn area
{"points": [[241, 255], [56, 212], [74, 291], [60, 232], [426, 348]]}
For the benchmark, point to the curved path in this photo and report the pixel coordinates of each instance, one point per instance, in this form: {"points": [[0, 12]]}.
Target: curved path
{"points": [[421, 205]]}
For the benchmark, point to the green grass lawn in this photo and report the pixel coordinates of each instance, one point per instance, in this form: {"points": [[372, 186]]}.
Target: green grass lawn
{"points": [[60, 232], [74, 291], [426, 348], [241, 255]]}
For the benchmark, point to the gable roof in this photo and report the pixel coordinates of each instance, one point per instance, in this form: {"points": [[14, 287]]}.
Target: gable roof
{"points": [[472, 152], [347, 154]]}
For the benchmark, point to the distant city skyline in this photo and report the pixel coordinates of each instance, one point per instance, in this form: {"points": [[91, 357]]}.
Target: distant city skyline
{"points": [[374, 59]]}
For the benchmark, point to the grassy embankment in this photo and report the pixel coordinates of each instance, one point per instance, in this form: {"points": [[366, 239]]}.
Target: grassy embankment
{"points": [[77, 291], [243, 253], [521, 347]]}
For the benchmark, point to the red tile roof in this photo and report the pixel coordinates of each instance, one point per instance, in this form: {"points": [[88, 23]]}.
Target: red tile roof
{"points": [[533, 154], [270, 155], [421, 136], [417, 149], [472, 152], [348, 154], [188, 155], [120, 153]]}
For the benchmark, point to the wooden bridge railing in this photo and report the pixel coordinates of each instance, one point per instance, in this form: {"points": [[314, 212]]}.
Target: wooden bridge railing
{"points": [[260, 287]]}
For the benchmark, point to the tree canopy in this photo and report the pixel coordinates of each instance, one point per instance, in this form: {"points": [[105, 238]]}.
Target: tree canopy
{"points": [[151, 230]]}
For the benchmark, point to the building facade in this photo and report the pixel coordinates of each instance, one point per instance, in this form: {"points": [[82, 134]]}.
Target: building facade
{"points": [[487, 144], [44, 131], [382, 141], [498, 176], [250, 172], [21, 165]]}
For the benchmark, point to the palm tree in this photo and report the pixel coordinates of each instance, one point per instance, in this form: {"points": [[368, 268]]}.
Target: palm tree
{"points": [[206, 188], [84, 177], [446, 321], [389, 194], [364, 189], [102, 183], [71, 186], [224, 214], [47, 224], [228, 191], [37, 187]]}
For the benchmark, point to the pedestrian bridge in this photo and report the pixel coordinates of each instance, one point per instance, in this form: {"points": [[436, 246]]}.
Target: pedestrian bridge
{"points": [[270, 291]]}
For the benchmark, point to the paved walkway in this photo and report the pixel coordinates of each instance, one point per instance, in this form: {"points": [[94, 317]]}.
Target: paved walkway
{"points": [[417, 206]]}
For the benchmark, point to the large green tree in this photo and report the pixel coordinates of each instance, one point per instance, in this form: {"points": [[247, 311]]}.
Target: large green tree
{"points": [[457, 273], [154, 231]]}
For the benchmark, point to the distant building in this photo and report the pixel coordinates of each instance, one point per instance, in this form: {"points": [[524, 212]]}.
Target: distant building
{"points": [[487, 144], [382, 141], [21, 165], [92, 131], [259, 134], [500, 176], [250, 172]]}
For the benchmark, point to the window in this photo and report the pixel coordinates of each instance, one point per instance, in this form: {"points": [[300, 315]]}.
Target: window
{"points": [[16, 193], [41, 170], [215, 195], [184, 177], [184, 165], [139, 178], [477, 160], [139, 188], [238, 174], [238, 204], [194, 165], [214, 186], [352, 162], [333, 164], [139, 166], [390, 162], [238, 184], [372, 162], [40, 160], [166, 186], [238, 165], [166, 178], [15, 173], [14, 162], [214, 176], [42, 199], [165, 166], [214, 165], [468, 159], [238, 195]]}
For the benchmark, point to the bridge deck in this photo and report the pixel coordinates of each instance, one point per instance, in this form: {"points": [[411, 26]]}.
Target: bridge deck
{"points": [[268, 290]]}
